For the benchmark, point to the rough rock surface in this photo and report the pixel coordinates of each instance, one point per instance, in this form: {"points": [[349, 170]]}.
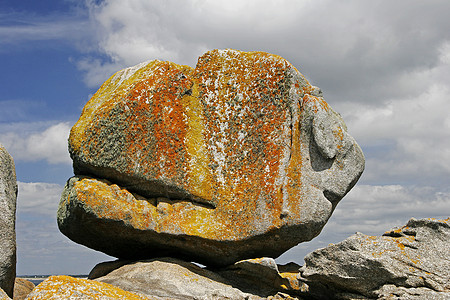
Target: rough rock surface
{"points": [[8, 198], [3, 295], [411, 262], [22, 288], [238, 158], [176, 279], [66, 287]]}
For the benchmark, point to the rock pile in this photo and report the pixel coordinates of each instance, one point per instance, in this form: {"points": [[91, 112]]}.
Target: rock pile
{"points": [[411, 262], [8, 198], [238, 158]]}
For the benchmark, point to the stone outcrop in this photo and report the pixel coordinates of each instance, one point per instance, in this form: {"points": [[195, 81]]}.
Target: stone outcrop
{"points": [[170, 278], [66, 287], [238, 158], [8, 198], [411, 262], [22, 288]]}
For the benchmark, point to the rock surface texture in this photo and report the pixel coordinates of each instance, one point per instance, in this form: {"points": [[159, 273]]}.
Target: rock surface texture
{"points": [[170, 278], [66, 287], [22, 288], [412, 262], [8, 198], [238, 158]]}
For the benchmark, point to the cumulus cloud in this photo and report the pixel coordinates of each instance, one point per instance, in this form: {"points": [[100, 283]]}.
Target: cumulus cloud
{"points": [[35, 141], [354, 50]]}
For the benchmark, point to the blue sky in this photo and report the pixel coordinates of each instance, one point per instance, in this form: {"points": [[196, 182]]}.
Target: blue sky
{"points": [[383, 65]]}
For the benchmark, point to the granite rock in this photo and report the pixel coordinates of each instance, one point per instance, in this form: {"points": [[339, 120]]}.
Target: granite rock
{"points": [[8, 198], [22, 288], [170, 278], [238, 158], [411, 262], [70, 288], [3, 295]]}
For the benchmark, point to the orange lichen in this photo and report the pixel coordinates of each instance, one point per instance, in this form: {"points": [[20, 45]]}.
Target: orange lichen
{"points": [[226, 133], [66, 287]]}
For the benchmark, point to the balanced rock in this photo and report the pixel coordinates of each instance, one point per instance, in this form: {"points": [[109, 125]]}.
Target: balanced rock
{"points": [[238, 158], [8, 198], [411, 262], [66, 287]]}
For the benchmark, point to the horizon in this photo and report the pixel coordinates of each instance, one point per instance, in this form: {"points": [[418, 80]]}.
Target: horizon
{"points": [[387, 76]]}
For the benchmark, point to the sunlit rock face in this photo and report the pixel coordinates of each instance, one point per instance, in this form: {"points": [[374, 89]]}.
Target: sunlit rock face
{"points": [[238, 158]]}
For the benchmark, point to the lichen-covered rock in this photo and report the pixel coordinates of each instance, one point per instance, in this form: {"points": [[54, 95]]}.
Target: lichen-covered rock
{"points": [[8, 198], [411, 262], [3, 295], [238, 158], [66, 287]]}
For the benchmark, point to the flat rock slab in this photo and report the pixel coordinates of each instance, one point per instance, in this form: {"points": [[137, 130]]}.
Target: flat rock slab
{"points": [[8, 198], [238, 158], [411, 262]]}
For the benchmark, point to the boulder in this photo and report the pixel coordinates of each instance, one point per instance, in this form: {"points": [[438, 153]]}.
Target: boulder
{"points": [[66, 287], [22, 288], [8, 198], [237, 158], [171, 278], [411, 262]]}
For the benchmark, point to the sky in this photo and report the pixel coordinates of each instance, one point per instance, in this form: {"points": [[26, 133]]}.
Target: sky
{"points": [[383, 65]]}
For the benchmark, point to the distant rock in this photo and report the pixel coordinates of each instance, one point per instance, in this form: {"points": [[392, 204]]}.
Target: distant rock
{"points": [[411, 262], [170, 278], [70, 288], [22, 288], [8, 198], [238, 158]]}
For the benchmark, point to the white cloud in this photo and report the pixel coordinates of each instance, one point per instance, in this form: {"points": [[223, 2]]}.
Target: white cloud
{"points": [[373, 210], [26, 143], [38, 198], [18, 27], [41, 248]]}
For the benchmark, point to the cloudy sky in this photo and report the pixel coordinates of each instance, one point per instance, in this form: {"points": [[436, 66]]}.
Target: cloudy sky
{"points": [[383, 65]]}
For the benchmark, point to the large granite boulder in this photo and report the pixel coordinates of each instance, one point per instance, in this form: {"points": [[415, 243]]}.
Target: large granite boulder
{"points": [[67, 287], [8, 198], [170, 278], [411, 262], [238, 158]]}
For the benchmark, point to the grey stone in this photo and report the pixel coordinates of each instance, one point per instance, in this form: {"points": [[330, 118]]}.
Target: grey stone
{"points": [[238, 158], [411, 262], [176, 279], [8, 198], [169, 278], [3, 295]]}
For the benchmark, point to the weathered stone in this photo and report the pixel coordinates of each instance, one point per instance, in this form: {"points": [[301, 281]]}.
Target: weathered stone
{"points": [[238, 158], [411, 262], [8, 198], [66, 287], [176, 279], [22, 288], [263, 277], [3, 295], [170, 278]]}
